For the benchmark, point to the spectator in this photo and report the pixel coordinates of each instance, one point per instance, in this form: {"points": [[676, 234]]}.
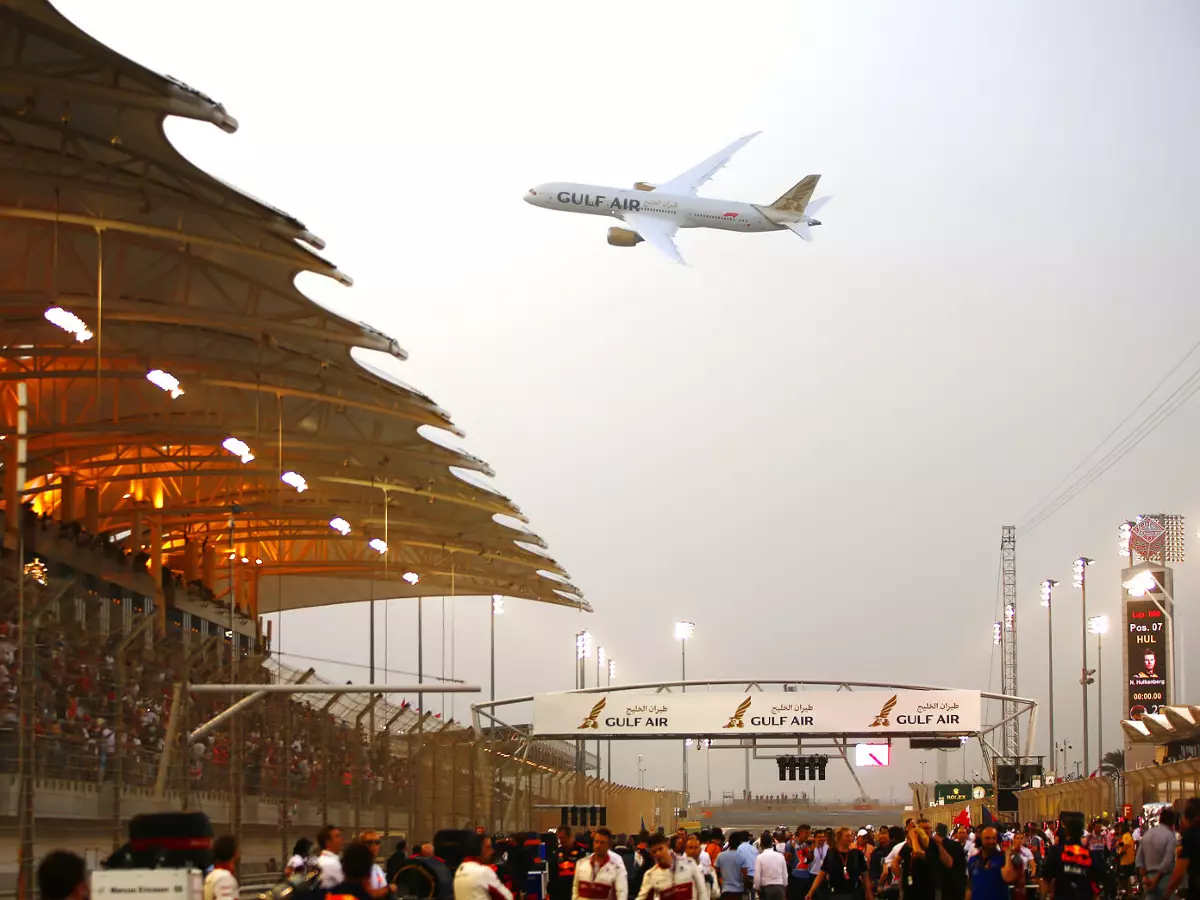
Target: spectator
{"points": [[356, 862], [62, 876], [298, 864], [397, 859], [730, 871], [379, 883], [1189, 853], [221, 884], [770, 870], [329, 839], [992, 870]]}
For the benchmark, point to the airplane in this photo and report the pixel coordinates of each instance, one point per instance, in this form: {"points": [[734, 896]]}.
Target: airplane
{"points": [[654, 212]]}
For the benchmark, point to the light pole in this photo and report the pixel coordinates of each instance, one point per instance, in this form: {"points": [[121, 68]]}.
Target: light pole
{"points": [[1080, 580], [583, 649], [601, 662], [641, 773], [1062, 748], [497, 610], [1048, 587], [412, 578], [612, 670], [1098, 625], [683, 634]]}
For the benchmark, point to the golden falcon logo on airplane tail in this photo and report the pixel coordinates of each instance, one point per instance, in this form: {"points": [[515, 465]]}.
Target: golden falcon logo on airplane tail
{"points": [[881, 720], [590, 721], [735, 721]]}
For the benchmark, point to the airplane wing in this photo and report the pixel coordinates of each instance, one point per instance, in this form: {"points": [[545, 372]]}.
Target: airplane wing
{"points": [[657, 231], [696, 177]]}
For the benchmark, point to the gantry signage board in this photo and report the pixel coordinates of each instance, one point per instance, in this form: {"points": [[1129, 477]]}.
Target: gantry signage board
{"points": [[872, 714]]}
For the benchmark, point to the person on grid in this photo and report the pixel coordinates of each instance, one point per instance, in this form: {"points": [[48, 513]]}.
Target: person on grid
{"points": [[600, 875]]}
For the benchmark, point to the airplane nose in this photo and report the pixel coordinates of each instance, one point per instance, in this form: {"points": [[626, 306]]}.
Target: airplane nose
{"points": [[531, 197]]}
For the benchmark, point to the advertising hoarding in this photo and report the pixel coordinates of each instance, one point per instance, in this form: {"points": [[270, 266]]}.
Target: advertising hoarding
{"points": [[872, 714]]}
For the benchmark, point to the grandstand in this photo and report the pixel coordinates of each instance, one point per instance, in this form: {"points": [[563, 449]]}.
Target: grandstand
{"points": [[207, 445]]}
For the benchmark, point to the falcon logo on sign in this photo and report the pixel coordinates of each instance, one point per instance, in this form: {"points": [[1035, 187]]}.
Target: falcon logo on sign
{"points": [[590, 720], [881, 720], [735, 721]]}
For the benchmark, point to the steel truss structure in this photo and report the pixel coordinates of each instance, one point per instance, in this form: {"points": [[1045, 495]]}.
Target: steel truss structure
{"points": [[1011, 737], [485, 717]]}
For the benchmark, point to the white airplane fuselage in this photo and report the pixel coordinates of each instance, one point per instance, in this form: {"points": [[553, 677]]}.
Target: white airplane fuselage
{"points": [[684, 211]]}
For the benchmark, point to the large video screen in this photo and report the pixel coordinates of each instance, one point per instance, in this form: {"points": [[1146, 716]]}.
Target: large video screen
{"points": [[1147, 637]]}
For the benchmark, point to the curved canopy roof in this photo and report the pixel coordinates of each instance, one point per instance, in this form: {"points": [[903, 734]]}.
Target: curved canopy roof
{"points": [[1171, 723], [172, 270]]}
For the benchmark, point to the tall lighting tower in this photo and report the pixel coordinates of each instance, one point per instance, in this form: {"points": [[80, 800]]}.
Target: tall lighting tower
{"points": [[1008, 643]]}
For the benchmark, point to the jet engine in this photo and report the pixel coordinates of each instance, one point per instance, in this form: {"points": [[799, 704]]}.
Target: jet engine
{"points": [[623, 237], [643, 186]]}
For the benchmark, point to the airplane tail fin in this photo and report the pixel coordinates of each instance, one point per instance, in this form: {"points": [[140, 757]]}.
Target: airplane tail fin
{"points": [[802, 222], [796, 199]]}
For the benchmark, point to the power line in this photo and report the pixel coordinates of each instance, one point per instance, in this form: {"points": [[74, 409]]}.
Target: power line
{"points": [[1150, 423], [1038, 513]]}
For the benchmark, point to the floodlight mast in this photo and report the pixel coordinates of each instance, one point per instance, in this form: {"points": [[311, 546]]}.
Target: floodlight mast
{"points": [[1011, 734]]}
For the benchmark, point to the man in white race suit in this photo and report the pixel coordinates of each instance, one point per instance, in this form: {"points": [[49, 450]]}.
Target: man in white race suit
{"points": [[475, 878], [600, 876], [671, 877]]}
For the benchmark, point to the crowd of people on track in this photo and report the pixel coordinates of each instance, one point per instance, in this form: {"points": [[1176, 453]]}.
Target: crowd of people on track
{"points": [[916, 862], [1065, 860]]}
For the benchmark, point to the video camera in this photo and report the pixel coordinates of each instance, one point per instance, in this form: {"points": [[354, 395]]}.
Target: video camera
{"points": [[167, 855]]}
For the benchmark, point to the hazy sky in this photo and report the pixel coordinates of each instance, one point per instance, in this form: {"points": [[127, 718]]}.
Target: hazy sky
{"points": [[809, 450]]}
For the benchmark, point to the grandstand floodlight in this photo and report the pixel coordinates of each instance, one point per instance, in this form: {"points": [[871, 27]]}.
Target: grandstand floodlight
{"points": [[379, 545], [1098, 624], [583, 645], [68, 322], [612, 669], [601, 657], [245, 559], [1080, 566], [684, 630], [497, 605], [165, 381], [1126, 532], [1140, 583], [258, 561], [410, 577], [296, 480], [340, 525], [232, 557], [238, 448], [997, 631], [1048, 587]]}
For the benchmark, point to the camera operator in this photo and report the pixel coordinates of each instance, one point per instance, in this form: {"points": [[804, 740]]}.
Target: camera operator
{"points": [[63, 876]]}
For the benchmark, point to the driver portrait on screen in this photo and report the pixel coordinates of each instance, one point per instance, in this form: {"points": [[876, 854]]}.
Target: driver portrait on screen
{"points": [[1150, 661]]}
